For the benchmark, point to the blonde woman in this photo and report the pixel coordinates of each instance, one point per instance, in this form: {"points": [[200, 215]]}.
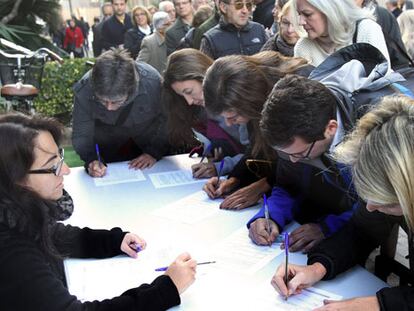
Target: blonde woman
{"points": [[284, 41], [332, 25], [141, 18], [406, 23], [380, 153]]}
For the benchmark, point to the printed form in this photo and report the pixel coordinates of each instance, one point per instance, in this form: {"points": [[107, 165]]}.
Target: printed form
{"points": [[173, 178], [119, 173]]}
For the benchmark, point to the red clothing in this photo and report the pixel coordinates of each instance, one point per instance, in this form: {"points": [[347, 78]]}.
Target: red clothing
{"points": [[73, 36]]}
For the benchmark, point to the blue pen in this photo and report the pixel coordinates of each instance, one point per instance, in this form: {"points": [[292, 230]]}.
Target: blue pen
{"points": [[198, 264], [98, 154], [205, 153], [286, 259], [266, 211], [138, 248], [219, 173]]}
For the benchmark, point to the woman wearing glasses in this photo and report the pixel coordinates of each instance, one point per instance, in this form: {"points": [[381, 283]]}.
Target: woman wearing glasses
{"points": [[284, 41], [34, 244], [187, 117], [133, 37], [380, 152], [332, 25], [236, 87]]}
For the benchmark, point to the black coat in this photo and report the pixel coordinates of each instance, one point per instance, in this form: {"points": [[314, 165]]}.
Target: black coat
{"points": [[30, 280], [132, 41], [113, 31], [354, 243]]}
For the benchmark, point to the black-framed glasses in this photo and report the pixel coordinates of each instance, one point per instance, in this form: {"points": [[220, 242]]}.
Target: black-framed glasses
{"points": [[118, 103], [55, 169], [238, 5], [299, 155]]}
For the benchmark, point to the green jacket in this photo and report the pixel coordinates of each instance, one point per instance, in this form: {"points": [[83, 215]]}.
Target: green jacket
{"points": [[204, 27]]}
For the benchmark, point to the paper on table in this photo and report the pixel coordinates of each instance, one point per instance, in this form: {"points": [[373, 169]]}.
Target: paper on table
{"points": [[309, 299], [190, 209], [118, 173], [173, 178], [238, 253]]}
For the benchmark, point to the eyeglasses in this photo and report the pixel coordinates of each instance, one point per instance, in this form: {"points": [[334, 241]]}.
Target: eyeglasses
{"points": [[299, 155], [140, 14], [238, 5], [119, 103], [55, 169], [285, 23]]}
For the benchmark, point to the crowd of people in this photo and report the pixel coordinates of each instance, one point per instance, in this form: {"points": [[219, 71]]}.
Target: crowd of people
{"points": [[310, 102]]}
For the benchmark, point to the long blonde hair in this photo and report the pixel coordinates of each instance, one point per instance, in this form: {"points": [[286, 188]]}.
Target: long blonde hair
{"points": [[381, 153]]}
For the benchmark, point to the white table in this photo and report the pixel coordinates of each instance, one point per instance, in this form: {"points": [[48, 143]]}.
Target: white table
{"points": [[129, 205]]}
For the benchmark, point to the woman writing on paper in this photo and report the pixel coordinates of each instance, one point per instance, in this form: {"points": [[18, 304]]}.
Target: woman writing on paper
{"points": [[380, 152], [34, 244]]}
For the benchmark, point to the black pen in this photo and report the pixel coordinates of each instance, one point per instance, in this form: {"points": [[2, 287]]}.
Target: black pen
{"points": [[219, 173]]}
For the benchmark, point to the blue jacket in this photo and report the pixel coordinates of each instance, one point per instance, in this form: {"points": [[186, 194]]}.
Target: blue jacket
{"points": [[307, 193]]}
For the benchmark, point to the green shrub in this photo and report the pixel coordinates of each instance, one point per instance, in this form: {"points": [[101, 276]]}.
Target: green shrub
{"points": [[56, 94]]}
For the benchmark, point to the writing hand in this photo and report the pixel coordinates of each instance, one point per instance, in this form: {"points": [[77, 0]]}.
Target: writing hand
{"points": [[96, 169], [258, 232]]}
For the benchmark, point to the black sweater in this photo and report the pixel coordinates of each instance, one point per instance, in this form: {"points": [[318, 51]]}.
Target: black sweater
{"points": [[30, 280]]}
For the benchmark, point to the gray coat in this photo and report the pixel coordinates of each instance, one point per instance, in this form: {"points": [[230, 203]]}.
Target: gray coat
{"points": [[174, 34], [154, 52], [144, 124]]}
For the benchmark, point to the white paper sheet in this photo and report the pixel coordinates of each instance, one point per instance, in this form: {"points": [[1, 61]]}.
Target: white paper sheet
{"points": [[238, 253], [309, 299], [191, 209], [173, 178], [118, 173]]}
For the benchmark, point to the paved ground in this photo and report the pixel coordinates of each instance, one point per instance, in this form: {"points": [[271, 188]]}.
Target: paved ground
{"points": [[402, 251]]}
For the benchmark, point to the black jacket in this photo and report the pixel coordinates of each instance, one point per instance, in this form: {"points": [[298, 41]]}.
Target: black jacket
{"points": [[30, 280], [354, 243], [226, 39], [144, 123], [113, 31], [132, 41], [263, 13]]}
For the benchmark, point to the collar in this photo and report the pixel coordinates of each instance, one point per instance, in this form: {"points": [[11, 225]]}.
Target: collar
{"points": [[231, 28]]}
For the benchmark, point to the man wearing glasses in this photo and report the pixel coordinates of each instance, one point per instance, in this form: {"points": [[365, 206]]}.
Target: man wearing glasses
{"points": [[235, 33], [181, 26], [117, 114], [310, 188]]}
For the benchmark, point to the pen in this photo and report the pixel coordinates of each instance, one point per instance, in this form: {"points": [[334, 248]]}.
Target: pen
{"points": [[286, 260], [219, 173], [98, 154], [205, 153], [198, 264], [266, 211], [138, 248]]}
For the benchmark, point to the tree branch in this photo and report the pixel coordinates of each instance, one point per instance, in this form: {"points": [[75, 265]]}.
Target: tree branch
{"points": [[12, 14]]}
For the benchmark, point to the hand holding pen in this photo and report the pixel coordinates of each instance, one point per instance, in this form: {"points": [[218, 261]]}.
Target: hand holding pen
{"points": [[97, 168], [182, 272]]}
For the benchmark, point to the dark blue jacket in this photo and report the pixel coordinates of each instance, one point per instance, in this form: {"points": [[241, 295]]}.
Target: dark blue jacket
{"points": [[113, 31], [132, 41], [226, 39], [306, 193]]}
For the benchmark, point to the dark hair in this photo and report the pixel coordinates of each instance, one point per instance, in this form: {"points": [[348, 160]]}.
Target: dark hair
{"points": [[21, 209], [183, 65], [299, 107], [201, 15], [242, 83], [114, 75]]}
